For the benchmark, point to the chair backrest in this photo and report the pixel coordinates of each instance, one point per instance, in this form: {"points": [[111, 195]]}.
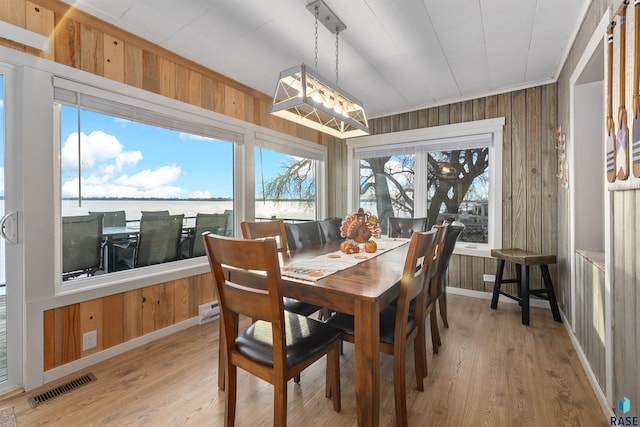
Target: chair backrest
{"points": [[404, 227], [265, 229], [215, 223], [155, 213], [159, 239], [441, 234], [237, 296], [453, 232], [81, 244], [112, 218], [416, 274], [330, 229], [303, 234]]}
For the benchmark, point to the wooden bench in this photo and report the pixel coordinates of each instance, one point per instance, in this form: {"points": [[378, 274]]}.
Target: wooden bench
{"points": [[523, 261]]}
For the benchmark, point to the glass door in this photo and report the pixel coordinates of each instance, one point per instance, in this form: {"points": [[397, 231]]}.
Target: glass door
{"points": [[11, 301]]}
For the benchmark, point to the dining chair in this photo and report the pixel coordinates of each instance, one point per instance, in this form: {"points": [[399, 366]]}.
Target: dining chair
{"points": [[193, 246], [158, 241], [399, 325], [81, 245], [453, 233], [155, 213], [330, 228], [118, 248], [276, 229], [404, 227], [280, 344], [432, 288], [303, 234]]}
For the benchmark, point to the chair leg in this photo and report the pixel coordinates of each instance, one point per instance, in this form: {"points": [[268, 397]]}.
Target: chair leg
{"points": [[399, 388], [443, 308], [333, 378], [296, 378], [280, 402], [435, 333], [222, 358], [230, 394], [418, 359]]}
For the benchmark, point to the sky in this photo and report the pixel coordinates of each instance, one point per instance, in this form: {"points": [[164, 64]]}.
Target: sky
{"points": [[121, 158]]}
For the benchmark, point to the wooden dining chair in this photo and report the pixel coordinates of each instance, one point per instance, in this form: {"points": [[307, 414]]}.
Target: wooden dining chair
{"points": [[432, 287], [277, 231], [453, 233], [280, 344], [399, 325]]}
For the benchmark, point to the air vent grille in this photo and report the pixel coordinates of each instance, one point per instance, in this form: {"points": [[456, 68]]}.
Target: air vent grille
{"points": [[46, 396]]}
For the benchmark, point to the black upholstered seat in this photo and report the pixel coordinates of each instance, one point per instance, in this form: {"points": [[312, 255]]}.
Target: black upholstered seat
{"points": [[305, 337]]}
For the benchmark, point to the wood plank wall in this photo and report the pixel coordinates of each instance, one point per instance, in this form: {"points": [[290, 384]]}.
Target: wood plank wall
{"points": [[625, 239], [529, 183], [626, 294], [87, 43], [590, 331]]}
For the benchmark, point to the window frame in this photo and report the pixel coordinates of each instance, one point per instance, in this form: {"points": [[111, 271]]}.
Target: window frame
{"points": [[244, 136], [439, 138]]}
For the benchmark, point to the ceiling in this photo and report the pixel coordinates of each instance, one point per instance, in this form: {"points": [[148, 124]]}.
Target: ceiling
{"points": [[395, 55]]}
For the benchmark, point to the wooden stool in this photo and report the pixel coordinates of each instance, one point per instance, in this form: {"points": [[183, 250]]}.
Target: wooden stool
{"points": [[523, 260]]}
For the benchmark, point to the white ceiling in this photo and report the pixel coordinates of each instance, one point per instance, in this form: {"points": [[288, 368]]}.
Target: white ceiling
{"points": [[395, 55]]}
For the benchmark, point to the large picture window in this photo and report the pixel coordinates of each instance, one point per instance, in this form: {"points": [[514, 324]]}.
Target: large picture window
{"points": [[451, 174], [286, 186], [135, 194]]}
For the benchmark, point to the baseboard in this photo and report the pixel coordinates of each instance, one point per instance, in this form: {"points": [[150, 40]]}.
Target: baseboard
{"points": [[602, 399], [77, 365]]}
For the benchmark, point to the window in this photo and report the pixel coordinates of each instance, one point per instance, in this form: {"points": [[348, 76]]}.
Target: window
{"points": [[289, 179], [286, 186], [126, 167], [446, 172]]}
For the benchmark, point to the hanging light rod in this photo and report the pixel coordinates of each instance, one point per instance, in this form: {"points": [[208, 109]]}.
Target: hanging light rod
{"points": [[304, 96]]}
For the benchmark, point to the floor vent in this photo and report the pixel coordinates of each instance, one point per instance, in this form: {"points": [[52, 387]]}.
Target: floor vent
{"points": [[46, 396]]}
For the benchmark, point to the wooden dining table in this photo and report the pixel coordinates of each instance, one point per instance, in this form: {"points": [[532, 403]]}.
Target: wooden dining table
{"points": [[361, 290]]}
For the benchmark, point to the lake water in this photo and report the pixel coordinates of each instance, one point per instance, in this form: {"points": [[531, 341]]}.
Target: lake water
{"points": [[133, 208]]}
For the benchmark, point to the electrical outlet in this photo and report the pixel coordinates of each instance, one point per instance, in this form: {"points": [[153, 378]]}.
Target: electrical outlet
{"points": [[489, 277], [208, 312], [89, 340]]}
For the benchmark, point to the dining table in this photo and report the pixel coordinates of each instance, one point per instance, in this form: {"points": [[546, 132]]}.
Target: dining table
{"points": [[361, 289]]}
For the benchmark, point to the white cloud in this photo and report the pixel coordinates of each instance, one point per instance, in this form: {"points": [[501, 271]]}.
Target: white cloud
{"points": [[103, 158], [200, 195], [97, 148]]}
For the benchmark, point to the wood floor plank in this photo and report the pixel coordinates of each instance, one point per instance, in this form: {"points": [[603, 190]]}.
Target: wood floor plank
{"points": [[490, 371]]}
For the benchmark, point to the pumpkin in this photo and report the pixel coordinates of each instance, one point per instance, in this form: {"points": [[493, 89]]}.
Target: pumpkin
{"points": [[370, 246]]}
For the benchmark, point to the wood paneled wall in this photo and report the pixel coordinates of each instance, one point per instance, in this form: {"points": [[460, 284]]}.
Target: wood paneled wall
{"points": [[626, 294], [529, 167], [590, 330], [121, 317]]}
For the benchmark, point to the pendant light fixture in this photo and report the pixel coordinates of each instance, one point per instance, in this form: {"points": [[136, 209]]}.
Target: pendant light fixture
{"points": [[303, 96]]}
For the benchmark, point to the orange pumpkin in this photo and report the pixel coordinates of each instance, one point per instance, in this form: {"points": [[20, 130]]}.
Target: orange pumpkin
{"points": [[344, 245], [370, 246]]}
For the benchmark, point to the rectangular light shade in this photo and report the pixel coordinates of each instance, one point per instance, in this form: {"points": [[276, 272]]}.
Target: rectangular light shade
{"points": [[305, 97]]}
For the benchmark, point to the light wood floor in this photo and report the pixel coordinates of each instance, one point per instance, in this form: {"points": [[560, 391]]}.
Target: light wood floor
{"points": [[491, 371]]}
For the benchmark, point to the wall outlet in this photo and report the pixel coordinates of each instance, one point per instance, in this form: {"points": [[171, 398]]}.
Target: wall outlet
{"points": [[208, 312], [489, 278], [89, 340]]}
